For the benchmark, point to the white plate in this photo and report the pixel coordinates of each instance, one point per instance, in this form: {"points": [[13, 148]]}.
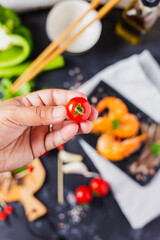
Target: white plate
{"points": [[63, 14]]}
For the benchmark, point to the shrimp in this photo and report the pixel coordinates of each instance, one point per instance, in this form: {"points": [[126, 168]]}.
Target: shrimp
{"points": [[102, 124], [128, 125], [115, 150], [116, 107]]}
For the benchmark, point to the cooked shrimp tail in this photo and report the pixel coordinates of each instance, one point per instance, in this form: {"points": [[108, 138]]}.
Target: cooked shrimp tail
{"points": [[114, 150], [115, 106], [128, 126]]}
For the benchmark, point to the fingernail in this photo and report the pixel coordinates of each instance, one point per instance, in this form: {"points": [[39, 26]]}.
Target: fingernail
{"points": [[58, 112], [89, 127], [96, 114]]}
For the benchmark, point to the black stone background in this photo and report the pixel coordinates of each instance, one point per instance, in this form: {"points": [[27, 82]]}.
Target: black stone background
{"points": [[104, 220], [92, 138]]}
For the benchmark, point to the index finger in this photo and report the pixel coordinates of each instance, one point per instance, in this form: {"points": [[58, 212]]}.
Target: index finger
{"points": [[52, 97]]}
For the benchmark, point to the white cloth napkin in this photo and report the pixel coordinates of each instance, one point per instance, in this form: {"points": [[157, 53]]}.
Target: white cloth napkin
{"points": [[138, 79]]}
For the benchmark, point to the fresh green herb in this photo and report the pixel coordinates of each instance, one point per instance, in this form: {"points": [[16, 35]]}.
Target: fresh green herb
{"points": [[21, 169], [115, 123], [155, 149], [79, 110], [6, 85], [97, 134]]}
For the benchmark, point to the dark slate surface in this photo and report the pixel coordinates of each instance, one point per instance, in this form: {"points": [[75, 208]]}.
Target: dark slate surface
{"points": [[104, 220], [92, 138]]}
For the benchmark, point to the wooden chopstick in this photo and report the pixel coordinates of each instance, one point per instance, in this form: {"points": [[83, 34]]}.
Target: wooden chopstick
{"points": [[94, 4], [56, 43], [25, 77]]}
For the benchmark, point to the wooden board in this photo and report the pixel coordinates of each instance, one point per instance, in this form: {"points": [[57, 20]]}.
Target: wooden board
{"points": [[24, 192]]}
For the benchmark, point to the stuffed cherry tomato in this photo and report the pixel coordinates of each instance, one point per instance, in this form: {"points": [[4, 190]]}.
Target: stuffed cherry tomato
{"points": [[78, 109]]}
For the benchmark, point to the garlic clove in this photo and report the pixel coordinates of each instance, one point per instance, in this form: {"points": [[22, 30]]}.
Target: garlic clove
{"points": [[67, 157], [78, 168]]}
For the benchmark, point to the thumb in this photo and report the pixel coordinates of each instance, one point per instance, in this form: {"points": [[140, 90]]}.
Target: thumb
{"points": [[38, 115]]}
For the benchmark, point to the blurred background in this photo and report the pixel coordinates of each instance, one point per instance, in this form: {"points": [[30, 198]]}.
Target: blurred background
{"points": [[117, 56]]}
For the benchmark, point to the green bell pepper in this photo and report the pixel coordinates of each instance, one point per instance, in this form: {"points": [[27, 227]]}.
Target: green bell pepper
{"points": [[18, 51], [9, 19], [15, 46], [15, 39], [18, 70], [9, 75]]}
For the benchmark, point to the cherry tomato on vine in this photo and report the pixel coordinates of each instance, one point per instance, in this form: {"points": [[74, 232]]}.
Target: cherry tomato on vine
{"points": [[83, 195], [99, 187], [78, 109]]}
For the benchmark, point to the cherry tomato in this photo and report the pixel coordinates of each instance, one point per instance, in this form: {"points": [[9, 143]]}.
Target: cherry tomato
{"points": [[83, 195], [8, 209], [3, 216], [78, 109], [99, 187]]}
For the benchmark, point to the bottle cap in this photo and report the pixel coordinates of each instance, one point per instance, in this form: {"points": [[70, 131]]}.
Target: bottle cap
{"points": [[151, 3]]}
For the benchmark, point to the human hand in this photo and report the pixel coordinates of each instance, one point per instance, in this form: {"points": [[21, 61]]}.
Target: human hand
{"points": [[24, 122]]}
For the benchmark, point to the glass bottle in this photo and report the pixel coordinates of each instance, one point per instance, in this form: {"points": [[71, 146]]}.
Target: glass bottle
{"points": [[137, 19]]}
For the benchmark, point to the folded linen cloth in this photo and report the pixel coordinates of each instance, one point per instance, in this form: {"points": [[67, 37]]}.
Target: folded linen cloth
{"points": [[138, 79]]}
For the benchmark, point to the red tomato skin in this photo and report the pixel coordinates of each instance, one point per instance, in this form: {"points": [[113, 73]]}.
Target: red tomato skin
{"points": [[73, 103], [61, 147], [8, 209], [44, 154], [3, 216], [99, 187], [83, 195], [30, 168]]}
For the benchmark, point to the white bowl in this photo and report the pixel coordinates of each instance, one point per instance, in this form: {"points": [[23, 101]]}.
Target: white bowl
{"points": [[65, 13]]}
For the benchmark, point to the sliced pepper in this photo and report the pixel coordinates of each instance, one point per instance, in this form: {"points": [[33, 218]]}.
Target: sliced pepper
{"points": [[16, 71], [18, 52], [24, 32], [15, 41], [9, 19]]}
